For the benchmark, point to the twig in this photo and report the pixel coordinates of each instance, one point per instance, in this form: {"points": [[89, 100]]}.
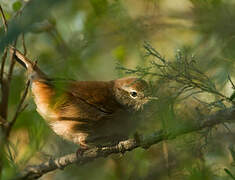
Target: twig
{"points": [[4, 57], [19, 109], [230, 80], [6, 88], [23, 44], [2, 122], [12, 64], [23, 108], [4, 19], [4, 84], [5, 50], [153, 52], [32, 172], [5, 127], [226, 127]]}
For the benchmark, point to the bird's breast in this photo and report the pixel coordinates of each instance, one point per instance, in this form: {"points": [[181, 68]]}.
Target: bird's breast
{"points": [[43, 95]]}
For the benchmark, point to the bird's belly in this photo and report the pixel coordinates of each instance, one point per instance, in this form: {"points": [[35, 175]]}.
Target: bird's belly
{"points": [[46, 112], [112, 130], [65, 130]]}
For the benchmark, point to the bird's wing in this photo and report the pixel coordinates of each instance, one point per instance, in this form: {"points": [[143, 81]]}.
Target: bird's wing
{"points": [[84, 100], [96, 94]]}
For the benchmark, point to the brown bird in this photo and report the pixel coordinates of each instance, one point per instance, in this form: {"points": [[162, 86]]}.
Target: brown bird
{"points": [[88, 113]]}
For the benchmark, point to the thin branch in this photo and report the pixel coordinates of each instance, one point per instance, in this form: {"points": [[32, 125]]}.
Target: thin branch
{"points": [[5, 50], [153, 52], [222, 116], [6, 88], [11, 65], [3, 110], [19, 109], [23, 108], [4, 57], [230, 80], [3, 122], [4, 19], [23, 44]]}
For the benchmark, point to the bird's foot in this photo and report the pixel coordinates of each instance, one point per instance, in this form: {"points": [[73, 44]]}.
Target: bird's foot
{"points": [[81, 151]]}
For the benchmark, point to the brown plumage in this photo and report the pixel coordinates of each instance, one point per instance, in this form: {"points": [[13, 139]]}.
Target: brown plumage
{"points": [[87, 112]]}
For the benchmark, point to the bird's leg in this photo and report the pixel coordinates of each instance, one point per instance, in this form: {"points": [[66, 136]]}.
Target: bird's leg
{"points": [[83, 146], [138, 137], [110, 140], [98, 141], [81, 150]]}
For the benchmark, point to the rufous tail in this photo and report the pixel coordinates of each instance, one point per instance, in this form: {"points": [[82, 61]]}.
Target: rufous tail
{"points": [[32, 68]]}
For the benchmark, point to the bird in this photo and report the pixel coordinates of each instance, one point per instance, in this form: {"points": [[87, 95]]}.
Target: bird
{"points": [[88, 113]]}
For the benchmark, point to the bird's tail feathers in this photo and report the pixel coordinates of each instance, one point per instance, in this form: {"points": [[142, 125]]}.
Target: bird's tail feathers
{"points": [[32, 68], [20, 58]]}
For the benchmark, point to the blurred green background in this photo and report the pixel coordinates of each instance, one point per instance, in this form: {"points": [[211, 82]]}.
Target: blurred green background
{"points": [[85, 40]]}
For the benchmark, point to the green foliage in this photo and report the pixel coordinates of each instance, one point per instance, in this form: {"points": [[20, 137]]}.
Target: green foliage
{"points": [[199, 172], [99, 6], [16, 5]]}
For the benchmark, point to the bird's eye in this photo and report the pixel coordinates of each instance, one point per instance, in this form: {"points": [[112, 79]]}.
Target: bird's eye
{"points": [[133, 94]]}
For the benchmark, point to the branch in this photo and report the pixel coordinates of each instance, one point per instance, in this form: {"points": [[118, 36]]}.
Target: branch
{"points": [[4, 56], [19, 109], [6, 82], [4, 19], [23, 44], [20, 106], [3, 110], [219, 117], [5, 127]]}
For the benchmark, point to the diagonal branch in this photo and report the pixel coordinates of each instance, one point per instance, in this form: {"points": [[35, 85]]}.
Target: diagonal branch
{"points": [[219, 117], [20, 106], [4, 19], [3, 111], [6, 82], [4, 57], [23, 44], [19, 109]]}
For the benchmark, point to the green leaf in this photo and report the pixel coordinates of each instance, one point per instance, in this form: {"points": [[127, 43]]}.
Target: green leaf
{"points": [[16, 5]]}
